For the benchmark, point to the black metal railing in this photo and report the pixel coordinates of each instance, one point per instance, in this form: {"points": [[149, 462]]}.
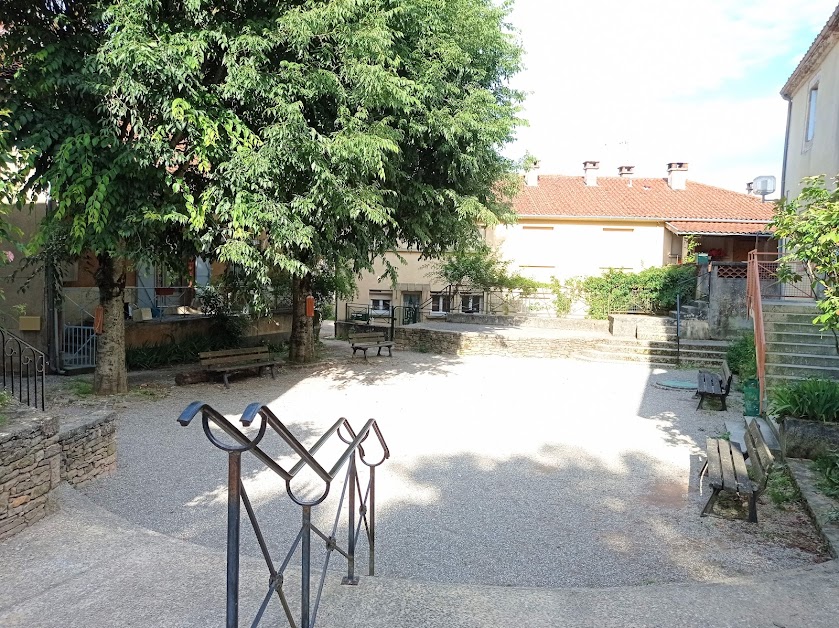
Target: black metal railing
{"points": [[236, 496], [24, 370]]}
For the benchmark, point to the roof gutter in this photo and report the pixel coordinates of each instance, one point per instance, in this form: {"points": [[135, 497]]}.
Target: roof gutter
{"points": [[756, 221]]}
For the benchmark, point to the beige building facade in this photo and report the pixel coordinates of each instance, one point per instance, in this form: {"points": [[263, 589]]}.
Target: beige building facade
{"points": [[812, 93], [584, 226]]}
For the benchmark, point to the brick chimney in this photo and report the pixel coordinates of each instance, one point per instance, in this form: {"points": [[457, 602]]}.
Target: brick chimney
{"points": [[590, 172], [677, 175], [531, 177], [626, 171]]}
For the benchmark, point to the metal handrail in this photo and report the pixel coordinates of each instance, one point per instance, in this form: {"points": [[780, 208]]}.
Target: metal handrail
{"points": [[236, 495], [19, 353], [754, 301]]}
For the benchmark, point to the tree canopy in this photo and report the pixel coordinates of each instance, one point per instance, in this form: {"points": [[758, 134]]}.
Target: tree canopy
{"points": [[280, 136], [320, 132]]}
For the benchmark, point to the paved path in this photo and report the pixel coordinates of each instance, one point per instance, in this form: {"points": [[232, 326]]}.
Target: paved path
{"points": [[515, 472], [84, 567]]}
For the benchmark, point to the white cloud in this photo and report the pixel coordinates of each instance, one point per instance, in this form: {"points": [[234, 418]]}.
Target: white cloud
{"points": [[654, 81]]}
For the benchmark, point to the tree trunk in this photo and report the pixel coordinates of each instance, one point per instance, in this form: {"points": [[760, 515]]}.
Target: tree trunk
{"points": [[302, 344], [111, 377]]}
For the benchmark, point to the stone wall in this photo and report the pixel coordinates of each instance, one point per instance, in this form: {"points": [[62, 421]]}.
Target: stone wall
{"points": [[36, 453], [728, 315], [30, 468], [158, 331], [519, 320], [88, 448], [471, 343]]}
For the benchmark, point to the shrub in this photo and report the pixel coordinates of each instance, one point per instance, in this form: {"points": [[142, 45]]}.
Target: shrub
{"points": [[182, 352], [657, 287], [741, 357], [827, 466], [814, 399]]}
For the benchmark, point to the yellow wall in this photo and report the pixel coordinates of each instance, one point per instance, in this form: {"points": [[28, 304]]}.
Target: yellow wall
{"points": [[543, 248], [821, 154], [27, 221], [540, 249]]}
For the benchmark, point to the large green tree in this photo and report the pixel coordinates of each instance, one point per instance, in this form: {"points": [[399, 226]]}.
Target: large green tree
{"points": [[313, 134], [58, 139]]}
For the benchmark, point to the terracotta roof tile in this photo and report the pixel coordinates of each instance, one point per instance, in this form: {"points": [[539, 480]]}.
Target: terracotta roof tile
{"points": [[565, 196], [718, 228]]}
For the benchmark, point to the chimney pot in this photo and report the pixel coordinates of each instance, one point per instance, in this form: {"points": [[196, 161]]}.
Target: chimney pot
{"points": [[531, 177], [590, 170], [677, 174], [626, 171]]}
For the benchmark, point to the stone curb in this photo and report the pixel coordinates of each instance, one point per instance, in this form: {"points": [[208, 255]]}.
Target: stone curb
{"points": [[822, 508]]}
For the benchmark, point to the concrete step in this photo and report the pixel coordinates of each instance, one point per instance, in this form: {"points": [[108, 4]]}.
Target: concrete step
{"points": [[805, 359], [822, 349], [790, 307], [815, 338], [801, 328], [801, 371], [789, 317], [737, 431], [655, 359]]}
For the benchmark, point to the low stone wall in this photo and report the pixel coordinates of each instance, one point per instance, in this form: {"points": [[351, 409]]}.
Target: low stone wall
{"points": [[275, 328], [447, 342], [538, 322], [30, 468], [36, 454], [88, 448]]}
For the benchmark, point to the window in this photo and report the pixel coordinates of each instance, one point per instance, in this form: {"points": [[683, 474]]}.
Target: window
{"points": [[440, 303], [380, 303], [471, 303], [811, 113]]}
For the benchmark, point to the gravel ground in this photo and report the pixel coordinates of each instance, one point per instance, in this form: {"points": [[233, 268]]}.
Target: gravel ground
{"points": [[511, 471]]}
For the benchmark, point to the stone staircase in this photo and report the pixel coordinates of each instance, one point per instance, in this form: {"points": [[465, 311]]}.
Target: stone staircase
{"points": [[795, 348], [705, 353], [693, 310]]}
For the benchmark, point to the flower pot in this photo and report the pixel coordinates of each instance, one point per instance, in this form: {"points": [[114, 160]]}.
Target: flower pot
{"points": [[29, 323], [802, 438]]}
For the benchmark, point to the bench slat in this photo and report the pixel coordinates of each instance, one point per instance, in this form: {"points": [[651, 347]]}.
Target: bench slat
{"points": [[760, 458], [729, 481], [235, 359], [223, 353], [242, 366], [714, 471], [744, 484]]}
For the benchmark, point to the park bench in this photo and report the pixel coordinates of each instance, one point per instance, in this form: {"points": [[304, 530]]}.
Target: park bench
{"points": [[361, 341], [727, 471], [230, 360], [714, 385]]}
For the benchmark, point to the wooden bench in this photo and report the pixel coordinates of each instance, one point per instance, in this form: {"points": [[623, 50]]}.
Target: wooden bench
{"points": [[231, 360], [714, 385], [727, 469], [361, 341]]}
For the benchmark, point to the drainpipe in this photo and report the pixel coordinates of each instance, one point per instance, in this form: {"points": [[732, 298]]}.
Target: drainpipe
{"points": [[786, 153]]}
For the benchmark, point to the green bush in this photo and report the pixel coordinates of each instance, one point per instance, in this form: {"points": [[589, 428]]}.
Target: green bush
{"points": [[655, 288], [814, 399], [182, 352], [827, 466], [741, 357]]}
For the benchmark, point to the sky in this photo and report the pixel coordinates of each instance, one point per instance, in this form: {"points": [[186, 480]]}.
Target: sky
{"points": [[648, 82]]}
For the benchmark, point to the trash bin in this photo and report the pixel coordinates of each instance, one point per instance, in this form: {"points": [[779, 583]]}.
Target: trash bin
{"points": [[751, 397], [702, 259]]}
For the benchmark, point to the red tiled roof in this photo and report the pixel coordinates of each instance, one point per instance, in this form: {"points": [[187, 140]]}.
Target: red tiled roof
{"points": [[718, 228], [564, 196]]}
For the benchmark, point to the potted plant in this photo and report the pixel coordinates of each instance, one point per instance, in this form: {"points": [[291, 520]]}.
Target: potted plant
{"points": [[808, 414], [26, 323]]}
